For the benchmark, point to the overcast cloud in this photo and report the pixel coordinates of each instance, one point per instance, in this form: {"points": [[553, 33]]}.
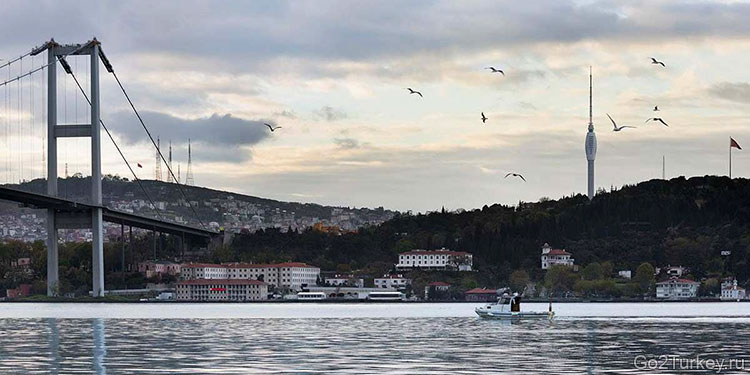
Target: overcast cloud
{"points": [[333, 75]]}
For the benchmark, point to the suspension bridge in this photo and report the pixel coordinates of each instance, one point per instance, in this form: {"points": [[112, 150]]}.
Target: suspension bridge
{"points": [[29, 128]]}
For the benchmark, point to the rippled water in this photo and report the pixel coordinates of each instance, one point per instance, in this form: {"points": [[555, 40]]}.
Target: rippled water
{"points": [[363, 338]]}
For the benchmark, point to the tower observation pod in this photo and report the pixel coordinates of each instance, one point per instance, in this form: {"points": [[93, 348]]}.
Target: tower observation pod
{"points": [[590, 143]]}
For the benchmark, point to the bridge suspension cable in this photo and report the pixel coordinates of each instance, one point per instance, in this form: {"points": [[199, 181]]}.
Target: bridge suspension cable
{"points": [[110, 69], [70, 71], [16, 59], [34, 51]]}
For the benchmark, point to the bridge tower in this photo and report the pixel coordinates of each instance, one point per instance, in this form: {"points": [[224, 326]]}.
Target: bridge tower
{"points": [[66, 220]]}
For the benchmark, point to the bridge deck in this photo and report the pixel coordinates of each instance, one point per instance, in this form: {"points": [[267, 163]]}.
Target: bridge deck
{"points": [[61, 205]]}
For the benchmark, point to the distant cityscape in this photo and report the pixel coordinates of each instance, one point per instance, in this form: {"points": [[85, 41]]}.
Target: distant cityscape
{"points": [[217, 210]]}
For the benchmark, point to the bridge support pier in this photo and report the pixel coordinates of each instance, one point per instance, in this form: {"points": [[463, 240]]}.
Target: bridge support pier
{"points": [[53, 281], [97, 248]]}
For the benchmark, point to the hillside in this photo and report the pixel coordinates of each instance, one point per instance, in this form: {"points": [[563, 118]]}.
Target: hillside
{"points": [[682, 221], [231, 210]]}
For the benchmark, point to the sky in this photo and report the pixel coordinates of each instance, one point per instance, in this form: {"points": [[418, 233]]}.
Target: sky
{"points": [[333, 75]]}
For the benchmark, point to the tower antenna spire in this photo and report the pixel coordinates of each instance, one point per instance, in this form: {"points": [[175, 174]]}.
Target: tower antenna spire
{"points": [[591, 102], [169, 175], [189, 174]]}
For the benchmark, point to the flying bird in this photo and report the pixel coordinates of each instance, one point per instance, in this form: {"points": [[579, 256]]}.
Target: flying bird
{"points": [[414, 92], [494, 70], [617, 129], [657, 119], [271, 126], [515, 175], [139, 165], [655, 61], [656, 108], [484, 118]]}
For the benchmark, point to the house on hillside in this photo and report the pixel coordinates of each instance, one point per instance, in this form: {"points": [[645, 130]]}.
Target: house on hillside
{"points": [[677, 288], [732, 292], [551, 257], [442, 259]]}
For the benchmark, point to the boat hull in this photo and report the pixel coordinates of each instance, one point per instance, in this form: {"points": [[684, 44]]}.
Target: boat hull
{"points": [[488, 314]]}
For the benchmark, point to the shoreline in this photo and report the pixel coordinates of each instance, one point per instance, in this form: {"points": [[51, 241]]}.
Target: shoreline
{"points": [[331, 301]]}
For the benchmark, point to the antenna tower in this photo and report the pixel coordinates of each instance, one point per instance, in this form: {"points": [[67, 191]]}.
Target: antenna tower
{"points": [[169, 175], [189, 174], [157, 171]]}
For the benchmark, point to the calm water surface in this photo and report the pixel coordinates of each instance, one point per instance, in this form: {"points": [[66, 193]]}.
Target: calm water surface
{"points": [[370, 338]]}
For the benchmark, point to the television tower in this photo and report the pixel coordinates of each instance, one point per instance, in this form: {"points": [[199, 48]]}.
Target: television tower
{"points": [[189, 174], [590, 142], [169, 167], [157, 171]]}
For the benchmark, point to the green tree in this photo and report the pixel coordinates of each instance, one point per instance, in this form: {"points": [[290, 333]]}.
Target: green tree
{"points": [[644, 277], [593, 271], [608, 270], [518, 280], [560, 279], [710, 287]]}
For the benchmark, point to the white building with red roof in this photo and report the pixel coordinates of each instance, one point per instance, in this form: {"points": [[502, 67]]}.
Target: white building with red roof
{"points": [[551, 257], [442, 259], [221, 290], [677, 288], [732, 292], [291, 275]]}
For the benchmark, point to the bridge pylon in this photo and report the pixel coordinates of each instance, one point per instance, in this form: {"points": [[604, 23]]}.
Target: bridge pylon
{"points": [[66, 220]]}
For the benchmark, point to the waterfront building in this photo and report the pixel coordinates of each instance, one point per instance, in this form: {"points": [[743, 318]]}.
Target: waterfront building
{"points": [[732, 292], [442, 259], [23, 290], [625, 274], [677, 288], [345, 280], [291, 275], [481, 295], [221, 290], [153, 268], [551, 257], [398, 282]]}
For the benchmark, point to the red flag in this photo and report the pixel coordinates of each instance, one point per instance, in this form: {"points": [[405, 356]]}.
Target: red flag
{"points": [[733, 143], [139, 165]]}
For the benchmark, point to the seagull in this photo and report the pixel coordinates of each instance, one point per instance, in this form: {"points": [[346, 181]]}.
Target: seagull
{"points": [[615, 125], [656, 108], [414, 92], [657, 119], [271, 126], [484, 118], [515, 175], [495, 70], [655, 61]]}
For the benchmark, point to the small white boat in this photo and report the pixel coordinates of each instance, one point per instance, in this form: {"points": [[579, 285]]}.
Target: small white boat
{"points": [[509, 307]]}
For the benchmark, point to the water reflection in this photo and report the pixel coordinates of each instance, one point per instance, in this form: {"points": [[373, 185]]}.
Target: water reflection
{"points": [[356, 345], [53, 338], [100, 346]]}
